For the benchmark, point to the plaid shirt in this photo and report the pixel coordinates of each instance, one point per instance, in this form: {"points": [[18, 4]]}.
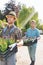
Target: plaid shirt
{"points": [[12, 31]]}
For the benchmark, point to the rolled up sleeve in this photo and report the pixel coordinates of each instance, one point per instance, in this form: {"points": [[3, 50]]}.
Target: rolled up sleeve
{"points": [[38, 33]]}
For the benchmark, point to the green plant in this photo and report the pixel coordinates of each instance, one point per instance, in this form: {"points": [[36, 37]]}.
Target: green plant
{"points": [[3, 45]]}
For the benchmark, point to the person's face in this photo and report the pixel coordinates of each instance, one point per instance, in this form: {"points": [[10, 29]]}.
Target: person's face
{"points": [[33, 24], [11, 19]]}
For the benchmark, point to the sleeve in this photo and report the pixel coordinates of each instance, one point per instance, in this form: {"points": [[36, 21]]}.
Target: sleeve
{"points": [[3, 32], [38, 33], [17, 34]]}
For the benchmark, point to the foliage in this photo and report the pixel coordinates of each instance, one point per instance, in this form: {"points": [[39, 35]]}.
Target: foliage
{"points": [[41, 27], [11, 6], [23, 15], [4, 43]]}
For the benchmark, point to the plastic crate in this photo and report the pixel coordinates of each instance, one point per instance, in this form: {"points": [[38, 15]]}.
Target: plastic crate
{"points": [[29, 43], [8, 55]]}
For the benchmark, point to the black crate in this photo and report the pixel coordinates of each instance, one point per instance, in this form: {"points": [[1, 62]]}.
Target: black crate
{"points": [[29, 43], [8, 53]]}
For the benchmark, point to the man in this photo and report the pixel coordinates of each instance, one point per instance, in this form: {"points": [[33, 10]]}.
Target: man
{"points": [[32, 32], [11, 31]]}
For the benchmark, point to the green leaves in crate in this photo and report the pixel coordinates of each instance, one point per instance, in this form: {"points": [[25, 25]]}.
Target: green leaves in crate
{"points": [[3, 45], [10, 41]]}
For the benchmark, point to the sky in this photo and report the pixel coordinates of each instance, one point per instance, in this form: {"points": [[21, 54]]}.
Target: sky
{"points": [[37, 4]]}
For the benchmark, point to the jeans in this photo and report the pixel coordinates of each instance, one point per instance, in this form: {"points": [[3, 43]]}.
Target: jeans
{"points": [[32, 51], [9, 61]]}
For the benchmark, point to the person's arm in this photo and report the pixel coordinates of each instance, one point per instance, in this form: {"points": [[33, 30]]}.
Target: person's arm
{"points": [[19, 38], [20, 43], [3, 33], [38, 38], [38, 35]]}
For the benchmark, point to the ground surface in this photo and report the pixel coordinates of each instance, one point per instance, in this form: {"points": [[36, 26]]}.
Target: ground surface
{"points": [[23, 55]]}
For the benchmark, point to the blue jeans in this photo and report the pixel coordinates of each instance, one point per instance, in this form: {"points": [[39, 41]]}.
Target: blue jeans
{"points": [[10, 61], [32, 51]]}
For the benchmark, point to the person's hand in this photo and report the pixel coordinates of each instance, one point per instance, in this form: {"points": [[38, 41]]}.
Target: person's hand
{"points": [[20, 43], [38, 38], [12, 46], [33, 39]]}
